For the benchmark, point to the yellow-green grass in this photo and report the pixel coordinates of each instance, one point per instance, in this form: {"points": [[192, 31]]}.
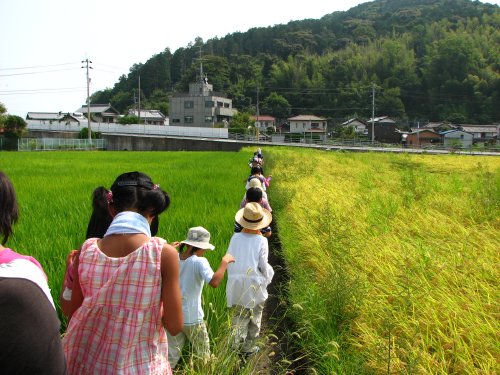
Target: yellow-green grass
{"points": [[54, 193], [393, 259]]}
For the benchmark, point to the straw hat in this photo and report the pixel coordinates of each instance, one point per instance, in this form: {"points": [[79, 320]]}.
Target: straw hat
{"points": [[255, 182], [253, 216], [199, 237]]}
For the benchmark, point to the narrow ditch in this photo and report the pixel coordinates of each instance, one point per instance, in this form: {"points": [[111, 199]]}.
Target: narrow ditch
{"points": [[288, 357]]}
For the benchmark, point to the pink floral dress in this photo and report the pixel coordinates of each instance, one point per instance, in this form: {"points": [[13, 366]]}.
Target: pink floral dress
{"points": [[118, 328]]}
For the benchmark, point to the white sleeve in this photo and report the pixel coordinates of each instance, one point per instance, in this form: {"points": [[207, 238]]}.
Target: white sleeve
{"points": [[264, 267], [204, 269]]}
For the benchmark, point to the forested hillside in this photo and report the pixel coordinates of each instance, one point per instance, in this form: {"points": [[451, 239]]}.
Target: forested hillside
{"points": [[429, 60]]}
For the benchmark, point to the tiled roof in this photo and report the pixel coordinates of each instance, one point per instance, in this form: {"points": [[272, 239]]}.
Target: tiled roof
{"points": [[44, 115], [264, 118], [353, 120], [480, 128], [306, 118], [385, 119], [148, 114], [98, 108]]}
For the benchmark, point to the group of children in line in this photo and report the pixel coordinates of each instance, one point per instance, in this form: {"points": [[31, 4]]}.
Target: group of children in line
{"points": [[130, 297]]}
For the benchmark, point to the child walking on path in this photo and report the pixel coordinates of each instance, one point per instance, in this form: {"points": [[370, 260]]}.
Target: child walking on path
{"points": [[126, 288], [248, 278], [194, 272]]}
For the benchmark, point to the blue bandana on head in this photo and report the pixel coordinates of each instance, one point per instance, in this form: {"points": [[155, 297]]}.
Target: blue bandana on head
{"points": [[128, 222]]}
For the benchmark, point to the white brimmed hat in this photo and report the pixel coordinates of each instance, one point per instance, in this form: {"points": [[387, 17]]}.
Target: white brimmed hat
{"points": [[199, 237], [255, 182], [253, 216]]}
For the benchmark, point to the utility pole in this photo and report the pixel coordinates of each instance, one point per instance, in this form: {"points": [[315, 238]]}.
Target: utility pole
{"points": [[373, 113], [258, 113], [89, 131], [418, 133], [139, 101]]}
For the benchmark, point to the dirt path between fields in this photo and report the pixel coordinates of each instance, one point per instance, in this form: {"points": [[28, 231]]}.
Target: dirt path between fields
{"points": [[279, 355]]}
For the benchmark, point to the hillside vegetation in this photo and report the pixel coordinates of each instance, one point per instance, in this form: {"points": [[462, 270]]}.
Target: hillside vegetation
{"points": [[393, 260], [429, 61]]}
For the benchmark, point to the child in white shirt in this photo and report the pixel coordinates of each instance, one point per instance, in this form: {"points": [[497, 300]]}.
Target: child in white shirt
{"points": [[246, 289], [194, 272]]}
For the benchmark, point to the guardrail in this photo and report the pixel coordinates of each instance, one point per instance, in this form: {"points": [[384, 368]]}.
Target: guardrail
{"points": [[51, 144]]}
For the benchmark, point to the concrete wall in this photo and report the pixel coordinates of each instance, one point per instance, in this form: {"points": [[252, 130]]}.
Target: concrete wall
{"points": [[152, 143], [145, 143]]}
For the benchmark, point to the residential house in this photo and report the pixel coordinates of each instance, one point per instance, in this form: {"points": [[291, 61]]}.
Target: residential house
{"points": [[422, 137], [200, 107], [100, 113], [308, 125], [482, 133], [455, 137], [149, 116], [360, 126], [56, 117], [262, 122], [385, 130], [438, 127]]}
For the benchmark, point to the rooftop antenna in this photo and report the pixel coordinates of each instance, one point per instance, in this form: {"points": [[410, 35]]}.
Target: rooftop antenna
{"points": [[202, 77]]}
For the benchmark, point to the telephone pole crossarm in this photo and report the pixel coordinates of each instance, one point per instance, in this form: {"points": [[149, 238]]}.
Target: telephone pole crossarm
{"points": [[89, 131]]}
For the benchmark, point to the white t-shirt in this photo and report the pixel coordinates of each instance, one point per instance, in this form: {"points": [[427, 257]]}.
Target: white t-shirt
{"points": [[194, 272], [24, 269], [249, 276]]}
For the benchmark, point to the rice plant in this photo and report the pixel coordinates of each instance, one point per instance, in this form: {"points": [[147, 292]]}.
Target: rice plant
{"points": [[394, 259], [54, 192]]}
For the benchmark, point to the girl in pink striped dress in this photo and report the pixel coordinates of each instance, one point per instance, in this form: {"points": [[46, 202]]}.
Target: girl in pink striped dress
{"points": [[126, 288]]}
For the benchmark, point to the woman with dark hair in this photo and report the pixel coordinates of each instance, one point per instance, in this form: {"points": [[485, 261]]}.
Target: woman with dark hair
{"points": [[29, 327], [126, 286]]}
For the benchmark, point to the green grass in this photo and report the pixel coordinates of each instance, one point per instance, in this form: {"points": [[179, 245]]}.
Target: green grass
{"points": [[54, 193]]}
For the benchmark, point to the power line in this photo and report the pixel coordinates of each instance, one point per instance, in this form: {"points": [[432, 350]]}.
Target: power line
{"points": [[41, 72], [41, 90], [40, 66]]}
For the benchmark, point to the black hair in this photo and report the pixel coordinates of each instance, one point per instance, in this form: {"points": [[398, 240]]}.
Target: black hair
{"points": [[9, 211], [256, 170], [191, 252], [254, 194], [134, 191], [101, 218]]}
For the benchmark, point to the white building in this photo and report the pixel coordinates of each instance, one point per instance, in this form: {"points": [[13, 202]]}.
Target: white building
{"points": [[482, 132], [200, 107], [149, 116], [358, 125], [306, 124], [262, 122]]}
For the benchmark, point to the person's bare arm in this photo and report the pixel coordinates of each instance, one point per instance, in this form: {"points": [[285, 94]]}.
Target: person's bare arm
{"points": [[77, 295], [68, 275], [171, 292], [219, 274]]}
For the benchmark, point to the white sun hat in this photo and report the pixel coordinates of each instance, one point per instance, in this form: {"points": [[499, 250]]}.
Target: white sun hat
{"points": [[199, 237]]}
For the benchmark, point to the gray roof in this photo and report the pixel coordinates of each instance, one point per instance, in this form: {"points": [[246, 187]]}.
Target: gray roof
{"points": [[99, 108], [306, 118], [480, 128], [353, 120], [148, 114], [382, 119], [44, 115]]}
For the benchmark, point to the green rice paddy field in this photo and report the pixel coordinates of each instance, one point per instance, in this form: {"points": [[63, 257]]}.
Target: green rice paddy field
{"points": [[393, 259]]}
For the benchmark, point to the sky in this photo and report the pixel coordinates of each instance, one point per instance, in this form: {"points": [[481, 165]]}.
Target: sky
{"points": [[45, 41]]}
